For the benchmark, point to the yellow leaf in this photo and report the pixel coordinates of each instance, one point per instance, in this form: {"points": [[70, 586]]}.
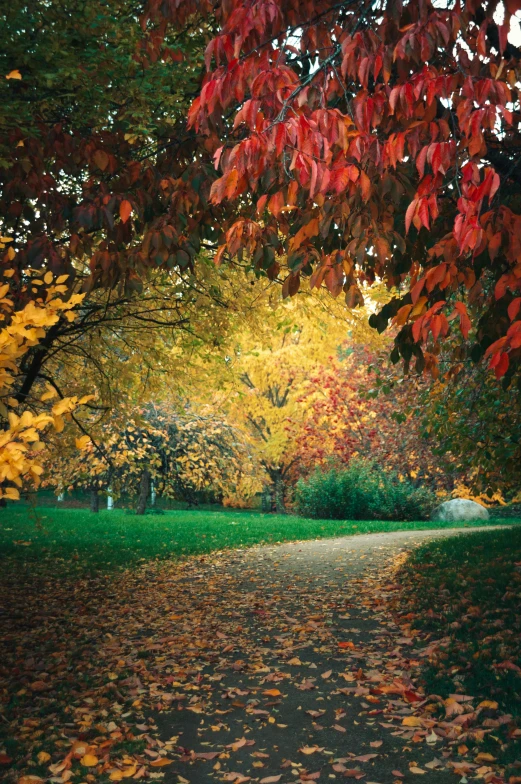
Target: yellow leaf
{"points": [[126, 773], [14, 75], [89, 761], [414, 769], [484, 757], [272, 693], [85, 399], [412, 721], [82, 442], [61, 278], [48, 277], [43, 757], [49, 393], [158, 763], [11, 493], [488, 704]]}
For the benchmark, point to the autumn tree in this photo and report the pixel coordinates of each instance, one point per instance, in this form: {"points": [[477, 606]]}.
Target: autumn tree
{"points": [[268, 372], [181, 453], [365, 141], [356, 407], [27, 314], [479, 424], [100, 179]]}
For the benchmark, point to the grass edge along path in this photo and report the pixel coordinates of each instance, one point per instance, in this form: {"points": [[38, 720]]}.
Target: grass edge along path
{"points": [[78, 539], [461, 596]]}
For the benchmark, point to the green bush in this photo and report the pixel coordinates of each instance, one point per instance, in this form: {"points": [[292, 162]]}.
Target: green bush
{"points": [[361, 491]]}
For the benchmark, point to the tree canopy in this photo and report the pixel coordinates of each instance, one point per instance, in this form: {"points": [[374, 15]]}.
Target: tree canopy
{"points": [[368, 141], [158, 160]]}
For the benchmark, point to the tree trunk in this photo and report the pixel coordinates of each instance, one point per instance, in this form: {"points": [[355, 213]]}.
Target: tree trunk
{"points": [[144, 490], [277, 492], [94, 500]]}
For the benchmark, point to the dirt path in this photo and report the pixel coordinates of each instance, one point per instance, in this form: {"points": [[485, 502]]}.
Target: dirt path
{"points": [[304, 680], [271, 664]]}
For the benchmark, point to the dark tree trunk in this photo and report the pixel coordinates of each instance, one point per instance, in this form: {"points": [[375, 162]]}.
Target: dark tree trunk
{"points": [[277, 492], [94, 500], [144, 491]]}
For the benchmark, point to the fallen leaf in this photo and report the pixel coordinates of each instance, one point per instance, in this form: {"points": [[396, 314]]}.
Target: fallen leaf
{"points": [[271, 779], [89, 760], [484, 757], [491, 704], [272, 693], [310, 749], [419, 771], [412, 721], [160, 762], [30, 780]]}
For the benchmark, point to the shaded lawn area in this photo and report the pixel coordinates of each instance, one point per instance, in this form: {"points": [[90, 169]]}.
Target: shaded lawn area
{"points": [[79, 539], [466, 592]]}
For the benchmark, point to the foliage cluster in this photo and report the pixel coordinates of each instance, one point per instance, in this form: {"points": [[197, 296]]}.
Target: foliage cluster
{"points": [[179, 453], [379, 141], [361, 491]]}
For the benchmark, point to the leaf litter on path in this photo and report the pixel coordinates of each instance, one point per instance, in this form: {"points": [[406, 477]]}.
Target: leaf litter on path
{"points": [[203, 670]]}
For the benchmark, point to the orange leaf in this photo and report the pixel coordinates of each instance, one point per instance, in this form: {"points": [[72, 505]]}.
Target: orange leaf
{"points": [[125, 210]]}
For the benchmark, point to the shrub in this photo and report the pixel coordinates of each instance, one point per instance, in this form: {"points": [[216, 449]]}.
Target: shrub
{"points": [[361, 491]]}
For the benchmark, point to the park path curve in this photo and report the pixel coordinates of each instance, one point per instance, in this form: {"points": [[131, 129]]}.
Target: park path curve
{"points": [[293, 691]]}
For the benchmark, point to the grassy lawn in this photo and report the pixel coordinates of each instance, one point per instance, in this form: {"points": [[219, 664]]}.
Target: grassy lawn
{"points": [[468, 590], [78, 538]]}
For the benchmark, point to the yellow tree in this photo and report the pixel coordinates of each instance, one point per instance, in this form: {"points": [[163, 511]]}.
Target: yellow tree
{"points": [[179, 453], [270, 365], [28, 310]]}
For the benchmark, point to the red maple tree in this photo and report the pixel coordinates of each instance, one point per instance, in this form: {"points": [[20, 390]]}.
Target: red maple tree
{"points": [[356, 409], [359, 141]]}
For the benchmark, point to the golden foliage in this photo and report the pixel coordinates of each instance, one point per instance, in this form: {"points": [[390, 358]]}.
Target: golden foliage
{"points": [[24, 327]]}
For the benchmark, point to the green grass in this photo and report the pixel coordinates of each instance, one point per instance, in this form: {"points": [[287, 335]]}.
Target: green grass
{"points": [[468, 589], [117, 539]]}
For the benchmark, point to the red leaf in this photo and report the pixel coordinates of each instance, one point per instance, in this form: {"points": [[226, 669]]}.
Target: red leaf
{"points": [[502, 366], [513, 308], [411, 210], [125, 210], [365, 185]]}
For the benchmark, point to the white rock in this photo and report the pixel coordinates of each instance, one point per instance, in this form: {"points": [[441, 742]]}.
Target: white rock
{"points": [[460, 509]]}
